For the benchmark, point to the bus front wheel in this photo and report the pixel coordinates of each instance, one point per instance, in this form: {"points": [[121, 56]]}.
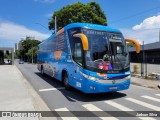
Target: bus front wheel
{"points": [[42, 70], [65, 81]]}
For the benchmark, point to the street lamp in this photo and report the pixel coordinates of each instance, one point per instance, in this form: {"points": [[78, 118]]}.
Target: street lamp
{"points": [[43, 26]]}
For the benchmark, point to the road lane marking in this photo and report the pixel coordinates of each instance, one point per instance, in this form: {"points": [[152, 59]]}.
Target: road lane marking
{"points": [[51, 89], [93, 108], [68, 114], [151, 98], [123, 108], [157, 94], [116, 105], [143, 104]]}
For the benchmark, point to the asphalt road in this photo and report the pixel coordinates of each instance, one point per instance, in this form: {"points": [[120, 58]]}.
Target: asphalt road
{"points": [[136, 98]]}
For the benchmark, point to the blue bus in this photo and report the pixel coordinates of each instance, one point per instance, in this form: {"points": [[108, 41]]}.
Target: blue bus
{"points": [[89, 57]]}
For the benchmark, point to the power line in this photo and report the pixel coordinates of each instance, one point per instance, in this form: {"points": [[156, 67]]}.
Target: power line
{"points": [[134, 15]]}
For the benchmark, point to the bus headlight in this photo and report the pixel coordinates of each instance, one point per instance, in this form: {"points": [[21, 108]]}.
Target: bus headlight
{"points": [[128, 77], [102, 80], [90, 77]]}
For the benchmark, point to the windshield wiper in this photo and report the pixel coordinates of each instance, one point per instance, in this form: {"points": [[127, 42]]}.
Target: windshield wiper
{"points": [[121, 64]]}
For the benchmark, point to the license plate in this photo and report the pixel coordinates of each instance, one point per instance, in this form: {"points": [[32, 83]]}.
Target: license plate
{"points": [[113, 88]]}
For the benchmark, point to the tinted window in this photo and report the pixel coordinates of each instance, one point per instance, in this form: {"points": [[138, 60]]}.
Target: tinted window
{"points": [[61, 43], [58, 43], [77, 55], [71, 32]]}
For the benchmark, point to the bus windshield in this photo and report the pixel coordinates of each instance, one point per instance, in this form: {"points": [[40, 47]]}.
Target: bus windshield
{"points": [[107, 51]]}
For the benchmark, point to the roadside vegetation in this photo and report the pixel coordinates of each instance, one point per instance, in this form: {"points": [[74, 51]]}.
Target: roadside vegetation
{"points": [[28, 50]]}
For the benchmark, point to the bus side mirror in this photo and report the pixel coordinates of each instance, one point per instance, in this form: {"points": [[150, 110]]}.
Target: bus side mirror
{"points": [[84, 40], [137, 45]]}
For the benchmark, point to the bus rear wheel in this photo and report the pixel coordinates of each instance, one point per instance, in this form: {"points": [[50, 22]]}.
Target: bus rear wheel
{"points": [[65, 81]]}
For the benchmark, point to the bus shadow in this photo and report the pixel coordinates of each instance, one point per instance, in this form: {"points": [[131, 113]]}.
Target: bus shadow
{"points": [[50, 80], [74, 95]]}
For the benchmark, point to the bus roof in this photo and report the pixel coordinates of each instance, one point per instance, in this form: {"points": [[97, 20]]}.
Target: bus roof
{"points": [[90, 26], [85, 25]]}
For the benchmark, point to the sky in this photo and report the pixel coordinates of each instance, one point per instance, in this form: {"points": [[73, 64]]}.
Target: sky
{"points": [[137, 19]]}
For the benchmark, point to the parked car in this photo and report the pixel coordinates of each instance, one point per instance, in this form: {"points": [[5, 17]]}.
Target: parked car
{"points": [[21, 62]]}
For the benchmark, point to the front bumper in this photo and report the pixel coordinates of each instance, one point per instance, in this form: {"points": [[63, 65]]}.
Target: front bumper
{"points": [[99, 87]]}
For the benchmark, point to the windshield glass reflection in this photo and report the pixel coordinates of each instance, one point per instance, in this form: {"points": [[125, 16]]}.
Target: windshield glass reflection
{"points": [[106, 50]]}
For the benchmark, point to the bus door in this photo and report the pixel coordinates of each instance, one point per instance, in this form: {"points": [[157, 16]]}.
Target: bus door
{"points": [[78, 61]]}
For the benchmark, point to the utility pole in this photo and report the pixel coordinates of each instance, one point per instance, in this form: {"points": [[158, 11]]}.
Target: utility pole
{"points": [[32, 52], [143, 60], [146, 65], [55, 22]]}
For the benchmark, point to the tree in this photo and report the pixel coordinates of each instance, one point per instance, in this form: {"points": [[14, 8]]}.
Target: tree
{"points": [[78, 12], [33, 51], [130, 44], [25, 46]]}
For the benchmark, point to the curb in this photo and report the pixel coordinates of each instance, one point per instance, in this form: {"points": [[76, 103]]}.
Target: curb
{"points": [[137, 84], [38, 102]]}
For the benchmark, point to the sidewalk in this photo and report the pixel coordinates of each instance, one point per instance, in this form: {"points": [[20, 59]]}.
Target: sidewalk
{"points": [[145, 82], [16, 94]]}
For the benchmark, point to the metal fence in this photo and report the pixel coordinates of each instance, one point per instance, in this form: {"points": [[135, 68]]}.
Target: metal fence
{"points": [[146, 68]]}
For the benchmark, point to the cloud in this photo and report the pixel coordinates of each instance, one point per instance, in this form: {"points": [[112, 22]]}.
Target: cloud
{"points": [[11, 32], [148, 36], [149, 23], [45, 1], [147, 31]]}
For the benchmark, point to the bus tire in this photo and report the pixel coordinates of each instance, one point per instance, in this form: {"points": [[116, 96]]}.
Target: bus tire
{"points": [[65, 81], [42, 70]]}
